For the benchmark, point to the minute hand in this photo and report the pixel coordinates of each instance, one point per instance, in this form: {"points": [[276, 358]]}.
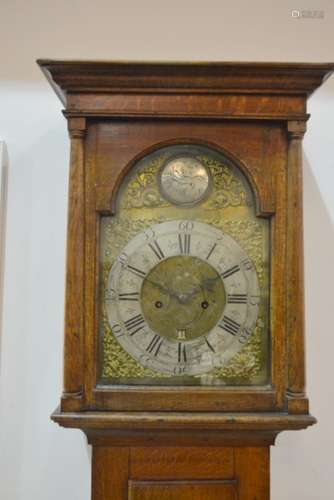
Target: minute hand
{"points": [[164, 289]]}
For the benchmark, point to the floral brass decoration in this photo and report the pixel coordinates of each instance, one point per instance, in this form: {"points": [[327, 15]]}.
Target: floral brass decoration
{"points": [[230, 207], [143, 190]]}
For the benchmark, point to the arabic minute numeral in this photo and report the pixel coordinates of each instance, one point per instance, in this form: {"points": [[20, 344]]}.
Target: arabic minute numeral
{"points": [[243, 339], [122, 259], [116, 329], [247, 264], [179, 370], [229, 325], [254, 300], [149, 234], [110, 294], [186, 226]]}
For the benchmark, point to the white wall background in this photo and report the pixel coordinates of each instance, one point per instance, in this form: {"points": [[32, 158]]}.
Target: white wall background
{"points": [[39, 460]]}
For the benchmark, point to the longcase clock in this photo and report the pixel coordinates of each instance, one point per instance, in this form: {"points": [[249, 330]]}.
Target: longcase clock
{"points": [[184, 328]]}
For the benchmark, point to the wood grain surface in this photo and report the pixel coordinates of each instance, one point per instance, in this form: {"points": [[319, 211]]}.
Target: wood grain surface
{"points": [[179, 474], [255, 114], [177, 463]]}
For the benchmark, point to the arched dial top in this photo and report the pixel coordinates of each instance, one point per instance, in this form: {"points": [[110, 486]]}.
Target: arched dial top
{"points": [[182, 298]]}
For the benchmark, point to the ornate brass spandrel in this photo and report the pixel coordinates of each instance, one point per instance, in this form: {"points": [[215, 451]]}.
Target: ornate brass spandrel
{"points": [[143, 191], [230, 207], [229, 190]]}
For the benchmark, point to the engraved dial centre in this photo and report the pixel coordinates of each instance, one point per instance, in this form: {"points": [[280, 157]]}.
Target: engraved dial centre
{"points": [[182, 297]]}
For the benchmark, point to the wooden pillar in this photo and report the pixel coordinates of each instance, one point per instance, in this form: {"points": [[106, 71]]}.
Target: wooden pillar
{"points": [[295, 271], [74, 305]]}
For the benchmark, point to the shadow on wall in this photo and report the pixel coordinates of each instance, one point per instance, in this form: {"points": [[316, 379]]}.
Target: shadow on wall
{"points": [[297, 468], [319, 303], [4, 166]]}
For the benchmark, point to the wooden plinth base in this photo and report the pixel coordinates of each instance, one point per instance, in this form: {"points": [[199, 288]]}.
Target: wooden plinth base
{"points": [[172, 473]]}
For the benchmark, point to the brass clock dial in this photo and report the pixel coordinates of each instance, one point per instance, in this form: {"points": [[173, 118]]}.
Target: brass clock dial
{"points": [[171, 308], [182, 298]]}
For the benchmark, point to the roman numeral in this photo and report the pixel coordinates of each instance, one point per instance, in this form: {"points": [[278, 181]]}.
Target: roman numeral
{"points": [[229, 325], [182, 353], [136, 271], [133, 325], [155, 345], [211, 251], [229, 272], [237, 298], [209, 345], [184, 243], [134, 296], [155, 247]]}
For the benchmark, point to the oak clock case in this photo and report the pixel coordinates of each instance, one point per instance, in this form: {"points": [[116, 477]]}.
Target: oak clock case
{"points": [[182, 260], [184, 315]]}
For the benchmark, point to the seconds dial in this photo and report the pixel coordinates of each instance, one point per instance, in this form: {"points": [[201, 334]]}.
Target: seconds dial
{"points": [[182, 297]]}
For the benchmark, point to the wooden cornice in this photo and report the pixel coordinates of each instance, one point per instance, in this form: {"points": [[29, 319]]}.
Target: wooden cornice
{"points": [[183, 78]]}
